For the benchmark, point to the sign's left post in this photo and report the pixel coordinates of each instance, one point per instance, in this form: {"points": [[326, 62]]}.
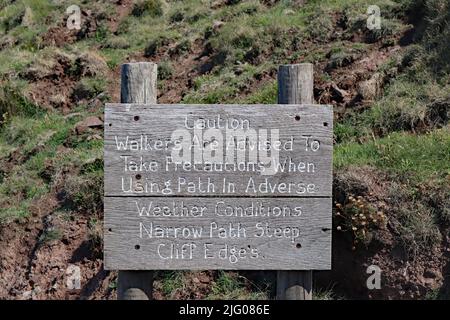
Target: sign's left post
{"points": [[138, 85]]}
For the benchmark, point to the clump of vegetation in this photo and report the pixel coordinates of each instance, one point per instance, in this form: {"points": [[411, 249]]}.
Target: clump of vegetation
{"points": [[320, 25], [152, 8], [357, 216], [417, 222], [117, 42], [95, 236], [231, 286], [165, 70], [85, 192], [339, 57], [49, 235], [88, 88], [14, 102], [154, 45], [182, 47]]}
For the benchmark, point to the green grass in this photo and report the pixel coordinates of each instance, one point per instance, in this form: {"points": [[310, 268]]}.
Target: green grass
{"points": [[267, 94], [171, 282], [322, 294], [253, 41], [421, 156], [405, 106], [36, 142], [232, 286]]}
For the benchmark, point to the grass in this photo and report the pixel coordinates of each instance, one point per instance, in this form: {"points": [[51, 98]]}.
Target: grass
{"points": [[397, 134], [423, 156], [223, 285], [324, 294], [405, 106], [232, 286], [172, 281], [36, 142]]}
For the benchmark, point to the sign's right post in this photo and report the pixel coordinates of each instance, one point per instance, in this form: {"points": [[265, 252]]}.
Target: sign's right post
{"points": [[295, 86]]}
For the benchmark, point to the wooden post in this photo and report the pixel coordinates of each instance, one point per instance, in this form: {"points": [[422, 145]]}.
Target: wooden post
{"points": [[295, 86], [138, 85]]}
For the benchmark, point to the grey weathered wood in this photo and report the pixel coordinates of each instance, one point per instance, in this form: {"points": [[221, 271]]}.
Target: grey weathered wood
{"points": [[124, 249], [138, 85], [129, 246], [135, 285], [138, 82], [157, 122], [295, 85], [294, 285]]}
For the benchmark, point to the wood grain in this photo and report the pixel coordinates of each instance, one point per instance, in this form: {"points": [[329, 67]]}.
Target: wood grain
{"points": [[138, 82], [138, 85], [129, 247], [157, 122], [295, 85]]}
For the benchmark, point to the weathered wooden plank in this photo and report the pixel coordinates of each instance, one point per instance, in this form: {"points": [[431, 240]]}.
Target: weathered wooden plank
{"points": [[138, 85], [303, 171], [295, 85], [138, 82], [287, 233]]}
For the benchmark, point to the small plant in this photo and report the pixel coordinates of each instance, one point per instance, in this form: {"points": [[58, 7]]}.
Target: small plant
{"points": [[113, 284], [165, 70], [231, 285], [85, 192], [95, 236], [49, 235], [117, 42], [152, 8], [177, 16], [152, 48], [13, 101], [320, 26], [183, 47], [358, 216]]}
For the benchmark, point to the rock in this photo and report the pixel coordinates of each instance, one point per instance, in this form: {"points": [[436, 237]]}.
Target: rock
{"points": [[35, 292], [94, 137], [338, 94], [27, 19], [88, 123], [371, 89], [27, 295], [72, 115], [217, 4], [288, 12], [217, 25]]}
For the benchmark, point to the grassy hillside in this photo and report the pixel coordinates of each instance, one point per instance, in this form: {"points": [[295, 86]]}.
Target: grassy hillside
{"points": [[390, 89]]}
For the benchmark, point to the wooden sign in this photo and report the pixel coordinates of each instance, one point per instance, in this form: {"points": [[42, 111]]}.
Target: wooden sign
{"points": [[218, 187]]}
